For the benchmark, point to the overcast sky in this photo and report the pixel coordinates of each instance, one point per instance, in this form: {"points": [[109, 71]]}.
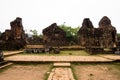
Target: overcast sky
{"points": [[38, 14]]}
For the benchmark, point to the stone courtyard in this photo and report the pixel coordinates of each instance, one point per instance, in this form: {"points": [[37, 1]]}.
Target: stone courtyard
{"points": [[61, 66]]}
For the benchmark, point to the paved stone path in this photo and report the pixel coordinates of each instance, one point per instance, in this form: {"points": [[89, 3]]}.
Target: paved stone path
{"points": [[36, 58], [8, 64], [113, 57], [61, 74], [62, 64], [62, 71]]}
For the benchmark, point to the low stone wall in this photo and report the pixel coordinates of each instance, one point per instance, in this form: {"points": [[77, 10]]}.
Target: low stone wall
{"points": [[42, 50], [97, 50]]}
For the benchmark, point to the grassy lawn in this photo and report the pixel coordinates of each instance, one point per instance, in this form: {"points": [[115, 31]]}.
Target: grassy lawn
{"points": [[79, 53], [96, 71], [62, 53], [26, 71], [5, 51]]}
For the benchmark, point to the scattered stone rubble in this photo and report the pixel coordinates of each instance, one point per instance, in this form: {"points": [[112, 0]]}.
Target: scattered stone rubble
{"points": [[43, 50]]}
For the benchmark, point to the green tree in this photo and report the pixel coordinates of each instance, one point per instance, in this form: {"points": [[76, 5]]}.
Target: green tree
{"points": [[34, 33], [41, 36], [118, 34], [71, 33]]}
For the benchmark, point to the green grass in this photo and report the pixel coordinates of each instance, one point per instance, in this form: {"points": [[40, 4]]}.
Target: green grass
{"points": [[46, 75], [114, 68], [62, 53], [79, 53], [73, 71], [50, 65], [5, 68], [117, 65]]}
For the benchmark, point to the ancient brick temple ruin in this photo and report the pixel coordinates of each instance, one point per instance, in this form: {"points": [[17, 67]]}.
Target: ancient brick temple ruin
{"points": [[15, 37], [54, 36], [104, 36]]}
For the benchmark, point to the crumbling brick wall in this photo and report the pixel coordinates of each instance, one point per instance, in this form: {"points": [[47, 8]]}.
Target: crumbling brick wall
{"points": [[15, 37], [104, 36], [54, 36]]}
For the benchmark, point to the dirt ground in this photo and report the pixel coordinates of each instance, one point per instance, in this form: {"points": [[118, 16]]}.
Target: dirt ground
{"points": [[97, 71], [25, 72]]}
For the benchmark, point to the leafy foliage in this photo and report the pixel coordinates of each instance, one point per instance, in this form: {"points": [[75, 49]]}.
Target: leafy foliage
{"points": [[71, 33], [118, 34], [35, 33]]}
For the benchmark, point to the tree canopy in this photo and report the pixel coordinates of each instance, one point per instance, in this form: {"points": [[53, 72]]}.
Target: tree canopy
{"points": [[35, 33], [71, 33]]}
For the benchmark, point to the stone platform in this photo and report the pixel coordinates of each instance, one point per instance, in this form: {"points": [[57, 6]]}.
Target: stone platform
{"points": [[10, 53], [37, 58], [112, 57], [60, 64]]}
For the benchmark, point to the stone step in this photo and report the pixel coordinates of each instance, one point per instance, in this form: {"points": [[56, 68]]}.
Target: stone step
{"points": [[61, 64], [6, 54], [3, 66], [61, 73]]}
